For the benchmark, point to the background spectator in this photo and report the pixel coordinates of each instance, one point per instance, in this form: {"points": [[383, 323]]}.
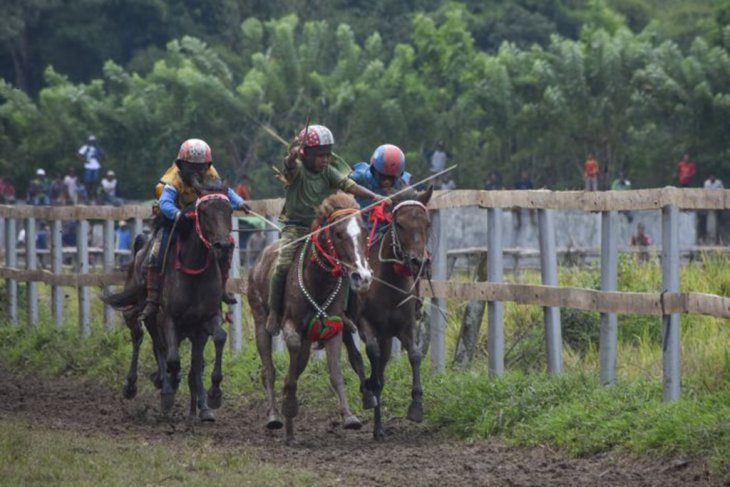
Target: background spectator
{"points": [[494, 182], [686, 171], [523, 183], [91, 154], [713, 183], [446, 183], [642, 240], [243, 188], [39, 188], [123, 239], [71, 181], [108, 190], [58, 191], [590, 173], [438, 158], [621, 183], [7, 192]]}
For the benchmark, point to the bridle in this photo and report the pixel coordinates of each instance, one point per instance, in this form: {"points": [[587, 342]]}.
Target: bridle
{"points": [[395, 242], [199, 233], [333, 264]]}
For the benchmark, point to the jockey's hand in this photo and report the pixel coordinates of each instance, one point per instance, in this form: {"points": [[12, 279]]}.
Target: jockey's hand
{"points": [[293, 152], [245, 208], [380, 199]]}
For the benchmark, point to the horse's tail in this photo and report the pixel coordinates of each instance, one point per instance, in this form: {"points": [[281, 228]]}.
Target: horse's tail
{"points": [[128, 296]]}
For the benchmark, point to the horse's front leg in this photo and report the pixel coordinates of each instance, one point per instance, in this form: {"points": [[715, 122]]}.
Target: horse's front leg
{"points": [[268, 371], [137, 333], [372, 347], [215, 395], [355, 358], [198, 398], [171, 374], [408, 337], [298, 358], [333, 346]]}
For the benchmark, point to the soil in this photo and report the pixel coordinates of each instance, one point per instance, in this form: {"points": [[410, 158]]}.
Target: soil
{"points": [[411, 455]]}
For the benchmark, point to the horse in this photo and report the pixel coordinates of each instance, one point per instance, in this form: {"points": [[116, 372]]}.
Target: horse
{"points": [[190, 306], [389, 308], [315, 293]]}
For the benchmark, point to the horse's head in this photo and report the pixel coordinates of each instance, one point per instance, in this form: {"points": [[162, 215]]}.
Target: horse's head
{"points": [[344, 235], [213, 222], [410, 229]]}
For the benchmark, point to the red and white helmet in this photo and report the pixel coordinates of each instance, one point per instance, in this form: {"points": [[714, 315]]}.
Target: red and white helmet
{"points": [[195, 151], [315, 136]]}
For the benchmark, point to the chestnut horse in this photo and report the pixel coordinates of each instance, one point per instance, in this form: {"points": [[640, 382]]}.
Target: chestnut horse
{"points": [[190, 306], [389, 308], [314, 290]]}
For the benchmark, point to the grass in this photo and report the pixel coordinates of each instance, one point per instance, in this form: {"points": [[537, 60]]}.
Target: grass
{"points": [[525, 406], [34, 456]]}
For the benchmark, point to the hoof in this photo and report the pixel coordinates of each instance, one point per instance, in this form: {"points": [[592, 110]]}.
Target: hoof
{"points": [[274, 422], [379, 435], [369, 401], [215, 399], [415, 412], [351, 423], [207, 415], [166, 402], [129, 391]]}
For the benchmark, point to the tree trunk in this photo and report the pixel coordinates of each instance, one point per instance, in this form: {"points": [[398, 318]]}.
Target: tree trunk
{"points": [[472, 322]]}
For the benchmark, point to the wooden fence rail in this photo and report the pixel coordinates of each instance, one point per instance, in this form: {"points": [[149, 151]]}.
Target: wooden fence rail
{"points": [[667, 302]]}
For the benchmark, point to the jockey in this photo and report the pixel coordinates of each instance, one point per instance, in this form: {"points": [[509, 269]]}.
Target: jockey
{"points": [[174, 192], [308, 179], [385, 174]]}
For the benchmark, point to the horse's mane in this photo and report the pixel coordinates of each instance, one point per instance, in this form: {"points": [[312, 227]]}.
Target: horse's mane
{"points": [[334, 202]]}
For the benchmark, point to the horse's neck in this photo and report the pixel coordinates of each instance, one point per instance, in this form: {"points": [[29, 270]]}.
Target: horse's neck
{"points": [[194, 253], [386, 270], [319, 282]]}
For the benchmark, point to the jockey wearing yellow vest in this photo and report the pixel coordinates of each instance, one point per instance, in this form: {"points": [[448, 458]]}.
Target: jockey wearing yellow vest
{"points": [[174, 192]]}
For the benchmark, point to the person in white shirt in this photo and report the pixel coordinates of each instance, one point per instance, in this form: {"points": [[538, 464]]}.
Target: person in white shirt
{"points": [[108, 193], [713, 183], [91, 154], [71, 181]]}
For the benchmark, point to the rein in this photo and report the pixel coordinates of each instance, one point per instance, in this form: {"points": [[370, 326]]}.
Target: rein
{"points": [[329, 254], [199, 232]]}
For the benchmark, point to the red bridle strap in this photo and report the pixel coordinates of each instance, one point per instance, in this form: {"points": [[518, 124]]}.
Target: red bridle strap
{"points": [[330, 254], [202, 199]]}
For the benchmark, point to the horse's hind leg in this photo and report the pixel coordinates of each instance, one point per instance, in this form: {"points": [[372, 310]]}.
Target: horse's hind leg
{"points": [[268, 374], [333, 346], [215, 395], [408, 338], [198, 397], [137, 333], [170, 366], [356, 362]]}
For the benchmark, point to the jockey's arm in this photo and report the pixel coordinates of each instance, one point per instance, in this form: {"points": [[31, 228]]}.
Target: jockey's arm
{"points": [[363, 192], [237, 203], [167, 202]]}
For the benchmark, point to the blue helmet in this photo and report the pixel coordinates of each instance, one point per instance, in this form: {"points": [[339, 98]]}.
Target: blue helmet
{"points": [[388, 160]]}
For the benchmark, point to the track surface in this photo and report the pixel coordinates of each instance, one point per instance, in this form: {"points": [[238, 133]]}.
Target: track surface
{"points": [[411, 455]]}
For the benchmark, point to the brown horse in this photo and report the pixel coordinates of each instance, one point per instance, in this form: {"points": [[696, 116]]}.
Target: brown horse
{"points": [[314, 282], [388, 309], [190, 307]]}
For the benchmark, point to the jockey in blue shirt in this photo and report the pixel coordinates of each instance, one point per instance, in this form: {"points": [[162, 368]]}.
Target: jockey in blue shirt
{"points": [[384, 175]]}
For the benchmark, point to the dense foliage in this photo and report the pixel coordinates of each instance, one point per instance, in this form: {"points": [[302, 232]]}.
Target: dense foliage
{"points": [[506, 85]]}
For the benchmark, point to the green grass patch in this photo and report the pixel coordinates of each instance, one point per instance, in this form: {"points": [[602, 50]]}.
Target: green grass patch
{"points": [[30, 455]]}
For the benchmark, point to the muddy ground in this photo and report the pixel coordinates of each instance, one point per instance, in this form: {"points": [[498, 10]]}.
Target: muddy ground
{"points": [[411, 455]]}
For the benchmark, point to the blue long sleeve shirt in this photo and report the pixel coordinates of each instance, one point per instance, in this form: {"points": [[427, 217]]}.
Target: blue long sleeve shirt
{"points": [[169, 196]]}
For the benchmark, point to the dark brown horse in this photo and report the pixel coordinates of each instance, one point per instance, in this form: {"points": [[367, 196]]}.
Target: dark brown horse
{"points": [[190, 306], [388, 309], [315, 280]]}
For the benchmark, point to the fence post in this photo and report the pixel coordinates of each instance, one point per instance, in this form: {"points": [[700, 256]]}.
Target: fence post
{"points": [[31, 264], [609, 282], [109, 254], [670, 283], [11, 261], [57, 268], [495, 309], [438, 305], [549, 270], [272, 236], [82, 259], [236, 326], [2, 233]]}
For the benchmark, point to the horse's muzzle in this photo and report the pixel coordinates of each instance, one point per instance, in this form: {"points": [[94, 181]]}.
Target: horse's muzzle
{"points": [[222, 248], [360, 280]]}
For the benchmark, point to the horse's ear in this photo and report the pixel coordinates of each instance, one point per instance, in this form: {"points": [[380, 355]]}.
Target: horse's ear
{"points": [[425, 196]]}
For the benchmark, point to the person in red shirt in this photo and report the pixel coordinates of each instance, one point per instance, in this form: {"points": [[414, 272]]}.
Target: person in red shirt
{"points": [[590, 173], [243, 189], [686, 170]]}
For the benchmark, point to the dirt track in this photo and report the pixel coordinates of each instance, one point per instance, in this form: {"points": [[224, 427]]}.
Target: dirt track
{"points": [[411, 455]]}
